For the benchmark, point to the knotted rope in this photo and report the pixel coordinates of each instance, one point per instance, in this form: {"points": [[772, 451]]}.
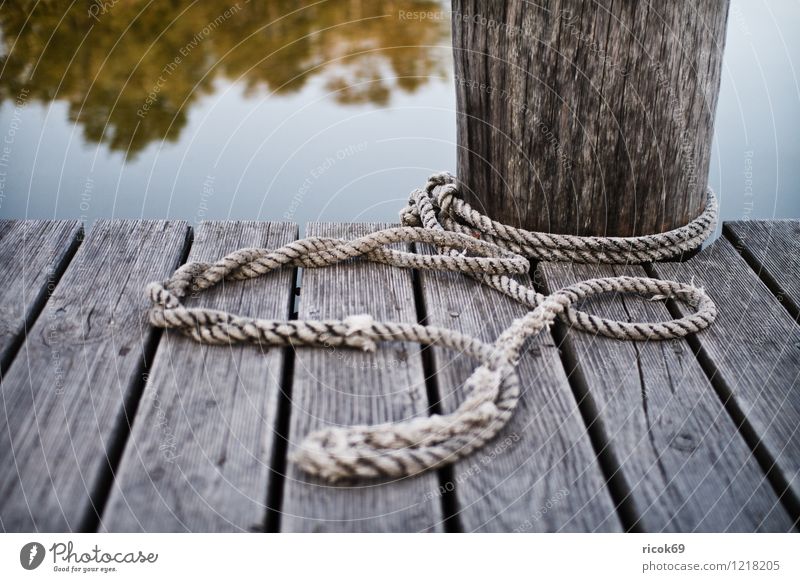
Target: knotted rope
{"points": [[437, 216]]}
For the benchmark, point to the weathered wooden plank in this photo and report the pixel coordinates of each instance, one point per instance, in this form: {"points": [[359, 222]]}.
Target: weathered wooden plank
{"points": [[68, 392], [343, 387], [752, 353], [199, 454], [687, 466], [33, 255], [540, 473], [772, 248]]}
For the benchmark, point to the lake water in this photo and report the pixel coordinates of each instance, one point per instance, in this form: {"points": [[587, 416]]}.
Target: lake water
{"points": [[304, 111]]}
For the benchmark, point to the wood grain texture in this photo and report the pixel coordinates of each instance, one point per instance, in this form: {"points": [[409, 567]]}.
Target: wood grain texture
{"points": [[33, 255], [343, 387], [67, 394], [772, 249], [591, 118], [687, 466], [753, 354], [540, 473], [198, 458]]}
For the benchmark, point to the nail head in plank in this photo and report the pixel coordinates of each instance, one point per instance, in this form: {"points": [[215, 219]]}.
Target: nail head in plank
{"points": [[772, 248], [33, 254], [65, 395], [687, 466], [540, 473], [198, 457], [344, 386], [753, 351]]}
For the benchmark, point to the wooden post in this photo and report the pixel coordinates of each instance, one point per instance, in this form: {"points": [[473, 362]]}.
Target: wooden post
{"points": [[591, 118]]}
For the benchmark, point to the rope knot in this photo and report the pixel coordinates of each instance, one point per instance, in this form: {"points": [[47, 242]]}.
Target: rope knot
{"points": [[159, 296], [360, 328], [445, 196], [358, 323], [439, 179], [409, 214]]}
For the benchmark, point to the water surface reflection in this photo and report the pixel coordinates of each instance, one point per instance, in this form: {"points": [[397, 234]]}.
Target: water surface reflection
{"points": [[130, 71]]}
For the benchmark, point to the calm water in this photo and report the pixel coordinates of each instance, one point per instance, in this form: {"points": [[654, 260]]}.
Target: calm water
{"points": [[329, 110]]}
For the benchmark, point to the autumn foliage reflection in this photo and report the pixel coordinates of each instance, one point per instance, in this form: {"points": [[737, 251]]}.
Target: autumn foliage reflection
{"points": [[130, 70]]}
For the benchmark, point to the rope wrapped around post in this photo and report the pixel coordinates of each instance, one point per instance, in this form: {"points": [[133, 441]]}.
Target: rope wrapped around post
{"points": [[437, 216]]}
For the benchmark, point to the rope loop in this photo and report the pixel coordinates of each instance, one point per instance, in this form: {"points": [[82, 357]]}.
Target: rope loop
{"points": [[449, 210], [464, 241]]}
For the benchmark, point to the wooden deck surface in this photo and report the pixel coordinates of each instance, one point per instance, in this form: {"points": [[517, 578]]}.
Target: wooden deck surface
{"points": [[107, 424]]}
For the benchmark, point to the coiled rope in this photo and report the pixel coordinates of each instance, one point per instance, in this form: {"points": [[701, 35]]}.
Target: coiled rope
{"points": [[467, 242]]}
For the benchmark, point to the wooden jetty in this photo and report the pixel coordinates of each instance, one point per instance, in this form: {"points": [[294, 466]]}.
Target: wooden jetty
{"points": [[108, 424]]}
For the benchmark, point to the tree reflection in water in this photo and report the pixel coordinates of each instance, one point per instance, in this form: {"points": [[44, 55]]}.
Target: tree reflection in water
{"points": [[131, 69]]}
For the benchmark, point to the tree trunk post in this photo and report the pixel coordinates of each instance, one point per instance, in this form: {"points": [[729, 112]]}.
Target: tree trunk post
{"points": [[589, 118]]}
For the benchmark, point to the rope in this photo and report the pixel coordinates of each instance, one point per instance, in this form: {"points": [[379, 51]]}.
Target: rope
{"points": [[466, 242], [457, 215]]}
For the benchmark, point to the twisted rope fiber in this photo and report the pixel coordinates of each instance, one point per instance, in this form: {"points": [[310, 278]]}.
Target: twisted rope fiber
{"points": [[467, 242]]}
